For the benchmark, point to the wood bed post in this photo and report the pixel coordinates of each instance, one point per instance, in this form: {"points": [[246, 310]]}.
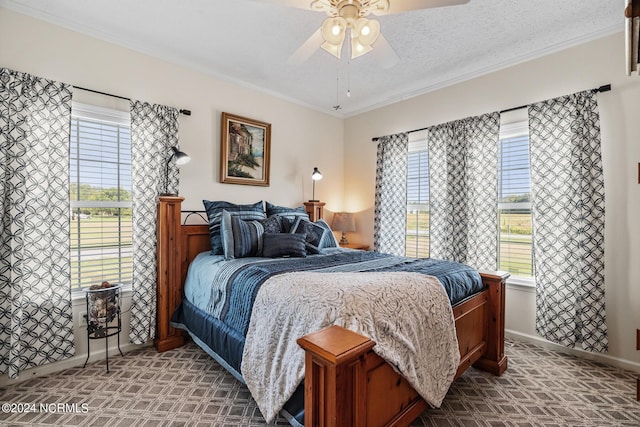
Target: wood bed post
{"points": [[315, 210], [335, 378], [494, 360], [169, 286]]}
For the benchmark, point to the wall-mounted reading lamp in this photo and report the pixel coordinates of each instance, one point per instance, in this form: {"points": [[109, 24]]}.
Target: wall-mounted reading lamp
{"points": [[181, 159]]}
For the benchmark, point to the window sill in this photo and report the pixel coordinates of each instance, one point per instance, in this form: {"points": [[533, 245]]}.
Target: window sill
{"points": [[526, 284]]}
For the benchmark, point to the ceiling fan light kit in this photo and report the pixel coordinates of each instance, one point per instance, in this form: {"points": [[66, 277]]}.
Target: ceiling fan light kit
{"points": [[350, 15]]}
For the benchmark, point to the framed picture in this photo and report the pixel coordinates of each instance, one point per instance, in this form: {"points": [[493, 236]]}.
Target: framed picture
{"points": [[245, 151]]}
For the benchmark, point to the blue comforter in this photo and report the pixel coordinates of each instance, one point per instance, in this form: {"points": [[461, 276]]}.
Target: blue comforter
{"points": [[219, 296], [234, 284]]}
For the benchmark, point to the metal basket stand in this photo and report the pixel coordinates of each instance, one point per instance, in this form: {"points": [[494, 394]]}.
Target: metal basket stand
{"points": [[103, 317]]}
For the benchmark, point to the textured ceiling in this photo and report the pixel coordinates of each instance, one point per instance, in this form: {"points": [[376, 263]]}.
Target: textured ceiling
{"points": [[250, 41]]}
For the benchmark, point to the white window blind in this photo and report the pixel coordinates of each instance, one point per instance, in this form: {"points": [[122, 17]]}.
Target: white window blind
{"points": [[514, 201], [417, 231], [100, 193]]}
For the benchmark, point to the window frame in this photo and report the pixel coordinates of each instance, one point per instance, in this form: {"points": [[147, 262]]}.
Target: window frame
{"points": [[110, 116], [418, 143], [512, 130]]}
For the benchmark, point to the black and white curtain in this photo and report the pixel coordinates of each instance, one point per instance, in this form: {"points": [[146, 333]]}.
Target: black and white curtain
{"points": [[391, 194], [154, 130], [568, 218], [463, 180], [36, 325]]}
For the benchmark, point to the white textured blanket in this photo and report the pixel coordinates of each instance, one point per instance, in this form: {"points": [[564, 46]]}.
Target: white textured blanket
{"points": [[408, 315]]}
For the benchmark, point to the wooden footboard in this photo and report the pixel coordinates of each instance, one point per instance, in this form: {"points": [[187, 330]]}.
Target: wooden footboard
{"points": [[347, 384]]}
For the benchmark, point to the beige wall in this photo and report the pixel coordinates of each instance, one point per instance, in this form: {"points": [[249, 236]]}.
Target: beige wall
{"points": [[304, 138], [301, 138], [575, 69]]}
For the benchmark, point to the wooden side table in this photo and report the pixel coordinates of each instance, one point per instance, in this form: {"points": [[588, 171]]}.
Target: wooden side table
{"points": [[359, 246], [314, 209]]}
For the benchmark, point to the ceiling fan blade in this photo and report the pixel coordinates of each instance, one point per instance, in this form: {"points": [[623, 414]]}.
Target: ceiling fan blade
{"points": [[384, 53], [400, 6], [307, 49], [300, 4]]}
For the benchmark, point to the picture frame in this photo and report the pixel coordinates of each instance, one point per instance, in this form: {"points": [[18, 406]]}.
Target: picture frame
{"points": [[245, 151]]}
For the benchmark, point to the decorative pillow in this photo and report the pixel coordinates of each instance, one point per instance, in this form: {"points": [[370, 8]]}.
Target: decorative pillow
{"points": [[285, 224], [314, 232], [328, 240], [240, 237], [273, 224], [214, 213], [283, 245], [289, 213]]}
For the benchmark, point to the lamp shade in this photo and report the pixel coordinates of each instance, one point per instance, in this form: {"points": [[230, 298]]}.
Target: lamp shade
{"points": [[343, 221], [333, 32], [316, 175], [181, 159]]}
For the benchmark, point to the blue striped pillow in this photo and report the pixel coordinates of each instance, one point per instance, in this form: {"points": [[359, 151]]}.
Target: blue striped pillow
{"points": [[289, 213], [328, 239], [240, 238], [214, 213]]}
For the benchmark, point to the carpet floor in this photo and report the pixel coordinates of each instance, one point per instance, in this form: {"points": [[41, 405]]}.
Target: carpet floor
{"points": [[185, 387]]}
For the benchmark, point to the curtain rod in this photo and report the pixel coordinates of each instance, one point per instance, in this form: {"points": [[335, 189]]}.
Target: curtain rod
{"points": [[182, 111], [603, 88]]}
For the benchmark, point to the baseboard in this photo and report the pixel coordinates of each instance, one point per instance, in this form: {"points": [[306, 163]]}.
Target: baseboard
{"points": [[72, 362], [597, 357]]}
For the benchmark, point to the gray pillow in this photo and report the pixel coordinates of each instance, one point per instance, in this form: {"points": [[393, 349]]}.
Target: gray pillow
{"points": [[273, 224], [314, 232], [283, 245]]}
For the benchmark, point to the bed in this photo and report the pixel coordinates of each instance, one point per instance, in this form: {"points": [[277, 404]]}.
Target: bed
{"points": [[346, 381]]}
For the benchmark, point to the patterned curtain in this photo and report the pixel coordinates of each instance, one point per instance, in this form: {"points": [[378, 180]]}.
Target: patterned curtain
{"points": [[154, 130], [568, 217], [390, 215], [463, 179], [36, 325]]}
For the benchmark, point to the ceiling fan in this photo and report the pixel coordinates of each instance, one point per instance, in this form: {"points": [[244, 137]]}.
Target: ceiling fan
{"points": [[351, 16]]}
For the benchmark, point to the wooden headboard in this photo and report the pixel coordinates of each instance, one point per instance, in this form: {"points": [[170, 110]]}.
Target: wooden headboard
{"points": [[178, 245]]}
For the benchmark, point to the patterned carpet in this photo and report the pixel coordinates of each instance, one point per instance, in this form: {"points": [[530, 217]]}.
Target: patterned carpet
{"points": [[185, 387]]}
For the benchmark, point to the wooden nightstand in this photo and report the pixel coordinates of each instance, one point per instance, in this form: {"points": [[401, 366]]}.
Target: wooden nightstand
{"points": [[359, 246]]}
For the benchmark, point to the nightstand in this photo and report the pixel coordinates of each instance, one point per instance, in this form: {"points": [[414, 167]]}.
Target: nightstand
{"points": [[359, 246]]}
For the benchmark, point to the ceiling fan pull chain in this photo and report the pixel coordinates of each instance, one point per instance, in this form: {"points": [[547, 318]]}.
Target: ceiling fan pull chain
{"points": [[337, 106]]}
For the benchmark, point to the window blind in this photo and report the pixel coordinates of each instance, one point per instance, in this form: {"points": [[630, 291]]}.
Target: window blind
{"points": [[514, 204], [417, 231], [100, 194]]}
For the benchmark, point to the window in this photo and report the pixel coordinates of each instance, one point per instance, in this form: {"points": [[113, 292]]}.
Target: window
{"points": [[515, 245], [417, 231], [100, 194], [515, 248]]}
